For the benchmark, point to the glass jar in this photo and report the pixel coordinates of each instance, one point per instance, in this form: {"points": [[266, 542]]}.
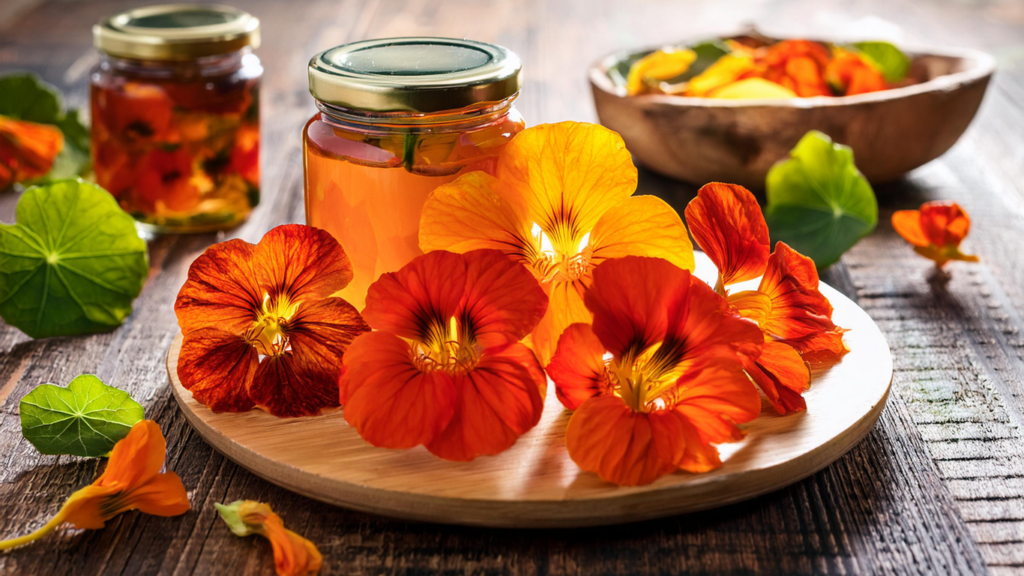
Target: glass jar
{"points": [[175, 115], [398, 118]]}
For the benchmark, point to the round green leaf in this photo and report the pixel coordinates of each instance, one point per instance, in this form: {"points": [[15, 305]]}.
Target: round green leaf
{"points": [[886, 57], [73, 262], [85, 419], [818, 202]]}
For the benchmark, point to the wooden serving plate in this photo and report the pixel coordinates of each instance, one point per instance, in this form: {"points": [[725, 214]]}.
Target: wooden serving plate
{"points": [[701, 140], [535, 483]]}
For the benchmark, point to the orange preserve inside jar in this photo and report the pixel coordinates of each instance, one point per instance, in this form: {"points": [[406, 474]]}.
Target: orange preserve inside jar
{"points": [[175, 115], [397, 118]]}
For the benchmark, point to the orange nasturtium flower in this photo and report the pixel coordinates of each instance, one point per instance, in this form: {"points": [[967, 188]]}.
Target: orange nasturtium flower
{"points": [[445, 367], [293, 554], [132, 481], [936, 231], [656, 380], [27, 150], [798, 65], [851, 74], [138, 112], [260, 325], [561, 202], [794, 316]]}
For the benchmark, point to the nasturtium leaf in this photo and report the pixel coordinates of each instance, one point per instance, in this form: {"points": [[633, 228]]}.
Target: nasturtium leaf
{"points": [[889, 59], [71, 264], [818, 202], [85, 419], [25, 97]]}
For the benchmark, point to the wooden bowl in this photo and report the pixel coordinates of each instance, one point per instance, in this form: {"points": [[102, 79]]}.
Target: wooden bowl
{"points": [[702, 140]]}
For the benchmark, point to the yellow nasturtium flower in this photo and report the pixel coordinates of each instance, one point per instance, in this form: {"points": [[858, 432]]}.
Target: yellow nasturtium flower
{"points": [[752, 88], [658, 65]]}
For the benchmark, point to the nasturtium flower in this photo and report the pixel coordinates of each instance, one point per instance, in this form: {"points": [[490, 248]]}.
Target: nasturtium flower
{"points": [[752, 89], [445, 367], [164, 182], [935, 231], [561, 202], [794, 316], [293, 554], [131, 481], [656, 379], [798, 65], [138, 112], [260, 326], [725, 71], [659, 65], [850, 73], [27, 150]]}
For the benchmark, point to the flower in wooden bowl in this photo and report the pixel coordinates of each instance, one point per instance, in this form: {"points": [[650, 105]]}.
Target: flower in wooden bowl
{"points": [[738, 136]]}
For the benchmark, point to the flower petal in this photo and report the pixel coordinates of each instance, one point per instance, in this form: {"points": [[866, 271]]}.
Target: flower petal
{"points": [[428, 289], [503, 300], [389, 401], [570, 173], [27, 150], [477, 211], [578, 367], [728, 225], [163, 495], [822, 348], [724, 71], [944, 223], [699, 456], [715, 399], [321, 331], [217, 367], [799, 309], [622, 446], [907, 224], [642, 226], [783, 375], [565, 307], [496, 402], [136, 458], [83, 509], [288, 385], [302, 262], [222, 290]]}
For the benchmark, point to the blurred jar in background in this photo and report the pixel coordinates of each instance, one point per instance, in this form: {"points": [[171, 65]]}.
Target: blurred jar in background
{"points": [[175, 115], [397, 118]]}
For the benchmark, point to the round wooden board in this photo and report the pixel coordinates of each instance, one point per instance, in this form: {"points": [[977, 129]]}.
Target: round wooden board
{"points": [[535, 483]]}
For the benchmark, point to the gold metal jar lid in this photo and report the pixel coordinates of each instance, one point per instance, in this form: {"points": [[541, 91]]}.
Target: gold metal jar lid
{"points": [[176, 32], [416, 74]]}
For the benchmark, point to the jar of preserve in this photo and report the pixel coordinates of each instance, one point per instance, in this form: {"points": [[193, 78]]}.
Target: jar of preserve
{"points": [[175, 115], [397, 118]]}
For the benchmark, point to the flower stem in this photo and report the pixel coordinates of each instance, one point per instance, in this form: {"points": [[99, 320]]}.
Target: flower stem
{"points": [[42, 531]]}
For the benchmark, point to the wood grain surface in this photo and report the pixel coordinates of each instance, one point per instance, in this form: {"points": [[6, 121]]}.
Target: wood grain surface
{"points": [[535, 484], [936, 488]]}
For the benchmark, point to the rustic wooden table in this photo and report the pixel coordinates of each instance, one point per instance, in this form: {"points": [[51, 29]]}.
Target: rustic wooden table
{"points": [[937, 487]]}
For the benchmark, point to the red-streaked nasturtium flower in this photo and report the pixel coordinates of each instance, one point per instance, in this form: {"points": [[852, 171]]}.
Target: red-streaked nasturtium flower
{"points": [[445, 367], [794, 316], [561, 202], [261, 328], [935, 231], [131, 481], [798, 65], [656, 379], [293, 554], [27, 150], [851, 74]]}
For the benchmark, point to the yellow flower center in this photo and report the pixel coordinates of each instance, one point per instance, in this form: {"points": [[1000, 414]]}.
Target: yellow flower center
{"points": [[268, 332], [448, 346], [562, 256], [645, 379]]}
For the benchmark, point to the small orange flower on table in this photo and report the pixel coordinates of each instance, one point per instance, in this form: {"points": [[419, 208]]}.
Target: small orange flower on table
{"points": [[561, 202], [260, 326], [935, 231], [794, 316], [27, 150], [657, 379], [132, 481], [444, 367], [293, 554]]}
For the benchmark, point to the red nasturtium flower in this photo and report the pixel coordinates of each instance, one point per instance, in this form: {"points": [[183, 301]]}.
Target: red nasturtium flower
{"points": [[798, 65], [140, 112], [444, 367], [936, 231], [656, 380], [293, 554], [164, 183], [132, 481], [851, 74], [261, 328], [27, 150], [794, 316], [561, 202]]}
